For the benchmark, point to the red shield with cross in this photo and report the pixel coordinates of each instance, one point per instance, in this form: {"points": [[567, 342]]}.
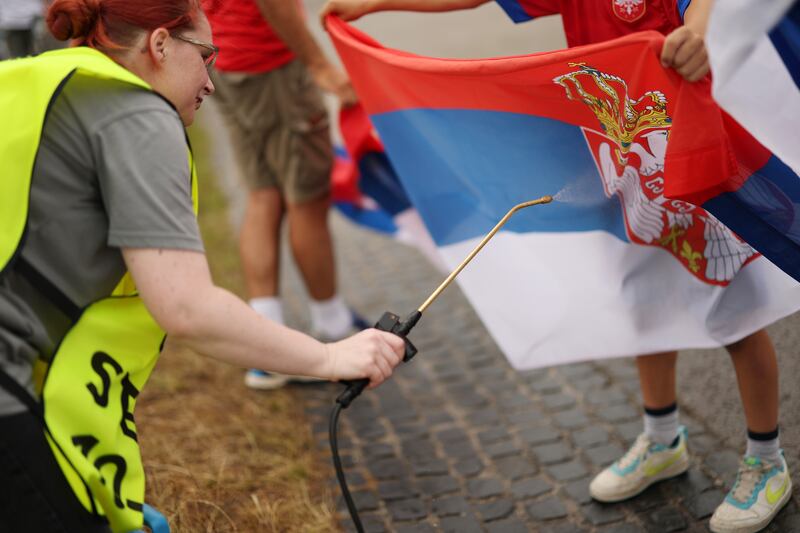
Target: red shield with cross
{"points": [[629, 10]]}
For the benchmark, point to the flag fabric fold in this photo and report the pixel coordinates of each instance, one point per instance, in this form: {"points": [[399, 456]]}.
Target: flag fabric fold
{"points": [[614, 267], [754, 50]]}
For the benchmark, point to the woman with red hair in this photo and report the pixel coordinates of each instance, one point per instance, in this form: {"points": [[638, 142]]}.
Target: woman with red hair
{"points": [[100, 256]]}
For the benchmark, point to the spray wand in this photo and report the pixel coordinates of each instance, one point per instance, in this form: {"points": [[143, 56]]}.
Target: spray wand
{"points": [[392, 323]]}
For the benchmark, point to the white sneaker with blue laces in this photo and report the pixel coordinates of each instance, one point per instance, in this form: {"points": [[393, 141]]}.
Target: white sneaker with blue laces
{"points": [[642, 465], [759, 493]]}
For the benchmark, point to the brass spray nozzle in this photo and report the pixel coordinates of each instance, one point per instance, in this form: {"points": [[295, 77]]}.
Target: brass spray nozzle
{"points": [[435, 294], [391, 322], [401, 327]]}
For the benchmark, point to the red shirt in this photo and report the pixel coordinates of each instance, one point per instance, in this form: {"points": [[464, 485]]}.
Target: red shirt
{"points": [[246, 42], [593, 21]]}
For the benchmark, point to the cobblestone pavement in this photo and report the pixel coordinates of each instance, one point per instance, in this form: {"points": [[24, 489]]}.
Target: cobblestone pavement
{"points": [[458, 441]]}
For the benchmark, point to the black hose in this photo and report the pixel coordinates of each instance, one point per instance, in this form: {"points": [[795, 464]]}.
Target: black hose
{"points": [[337, 464], [388, 322]]}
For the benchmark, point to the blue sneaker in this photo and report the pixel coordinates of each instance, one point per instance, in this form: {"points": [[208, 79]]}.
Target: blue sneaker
{"points": [[258, 379], [153, 519], [759, 493], [642, 465]]}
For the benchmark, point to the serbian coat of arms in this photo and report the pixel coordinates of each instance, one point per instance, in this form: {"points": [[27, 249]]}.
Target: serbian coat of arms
{"points": [[629, 151], [629, 10]]}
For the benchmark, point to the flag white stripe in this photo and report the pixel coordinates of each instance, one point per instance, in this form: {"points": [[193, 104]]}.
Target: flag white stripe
{"points": [[751, 81], [569, 297]]}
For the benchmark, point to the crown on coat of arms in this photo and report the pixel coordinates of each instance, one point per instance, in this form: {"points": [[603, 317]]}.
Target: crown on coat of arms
{"points": [[621, 117]]}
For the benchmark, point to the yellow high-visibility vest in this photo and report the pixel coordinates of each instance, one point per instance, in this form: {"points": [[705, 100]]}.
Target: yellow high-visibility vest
{"points": [[105, 358]]}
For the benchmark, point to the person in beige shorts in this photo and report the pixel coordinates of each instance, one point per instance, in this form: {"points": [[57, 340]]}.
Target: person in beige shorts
{"points": [[269, 77], [280, 131]]}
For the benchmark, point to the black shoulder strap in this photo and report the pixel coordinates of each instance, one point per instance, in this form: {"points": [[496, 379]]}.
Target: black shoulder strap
{"points": [[43, 285], [17, 390]]}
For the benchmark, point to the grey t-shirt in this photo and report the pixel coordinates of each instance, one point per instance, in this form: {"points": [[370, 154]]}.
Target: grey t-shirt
{"points": [[111, 172]]}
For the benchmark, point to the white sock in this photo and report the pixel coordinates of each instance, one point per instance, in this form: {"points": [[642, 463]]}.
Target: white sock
{"points": [[769, 450], [269, 307], [330, 318], [662, 428]]}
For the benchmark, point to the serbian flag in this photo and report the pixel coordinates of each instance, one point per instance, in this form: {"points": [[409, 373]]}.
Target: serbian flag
{"points": [[754, 49], [366, 189], [613, 267]]}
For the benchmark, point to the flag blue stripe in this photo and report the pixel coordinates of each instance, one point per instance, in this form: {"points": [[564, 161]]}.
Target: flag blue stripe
{"points": [[514, 10], [378, 180], [785, 37], [447, 162], [765, 212], [773, 193]]}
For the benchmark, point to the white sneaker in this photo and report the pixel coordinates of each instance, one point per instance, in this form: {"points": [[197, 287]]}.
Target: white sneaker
{"points": [[357, 323], [641, 466], [760, 491]]}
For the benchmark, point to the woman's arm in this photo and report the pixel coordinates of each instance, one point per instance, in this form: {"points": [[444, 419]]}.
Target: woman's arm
{"points": [[176, 288], [353, 9]]}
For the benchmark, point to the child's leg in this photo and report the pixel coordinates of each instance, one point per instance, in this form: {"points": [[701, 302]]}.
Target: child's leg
{"points": [[658, 453], [657, 379], [757, 373], [763, 485]]}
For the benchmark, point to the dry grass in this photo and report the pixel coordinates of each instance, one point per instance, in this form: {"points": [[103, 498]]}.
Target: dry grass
{"points": [[220, 457]]}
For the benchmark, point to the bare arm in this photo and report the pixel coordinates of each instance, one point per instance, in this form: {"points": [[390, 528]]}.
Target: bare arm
{"points": [[176, 288], [353, 9], [684, 49], [697, 15], [285, 17]]}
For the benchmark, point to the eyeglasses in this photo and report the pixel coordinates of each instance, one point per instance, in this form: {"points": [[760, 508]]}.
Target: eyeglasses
{"points": [[213, 50]]}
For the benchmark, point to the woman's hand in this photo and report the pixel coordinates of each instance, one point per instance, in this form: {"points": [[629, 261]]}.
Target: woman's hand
{"points": [[369, 354], [685, 51]]}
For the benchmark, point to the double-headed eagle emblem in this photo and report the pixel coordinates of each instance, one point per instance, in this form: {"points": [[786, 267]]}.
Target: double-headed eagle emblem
{"points": [[629, 152], [629, 10]]}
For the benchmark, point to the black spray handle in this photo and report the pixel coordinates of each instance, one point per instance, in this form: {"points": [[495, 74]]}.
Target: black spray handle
{"points": [[388, 322]]}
